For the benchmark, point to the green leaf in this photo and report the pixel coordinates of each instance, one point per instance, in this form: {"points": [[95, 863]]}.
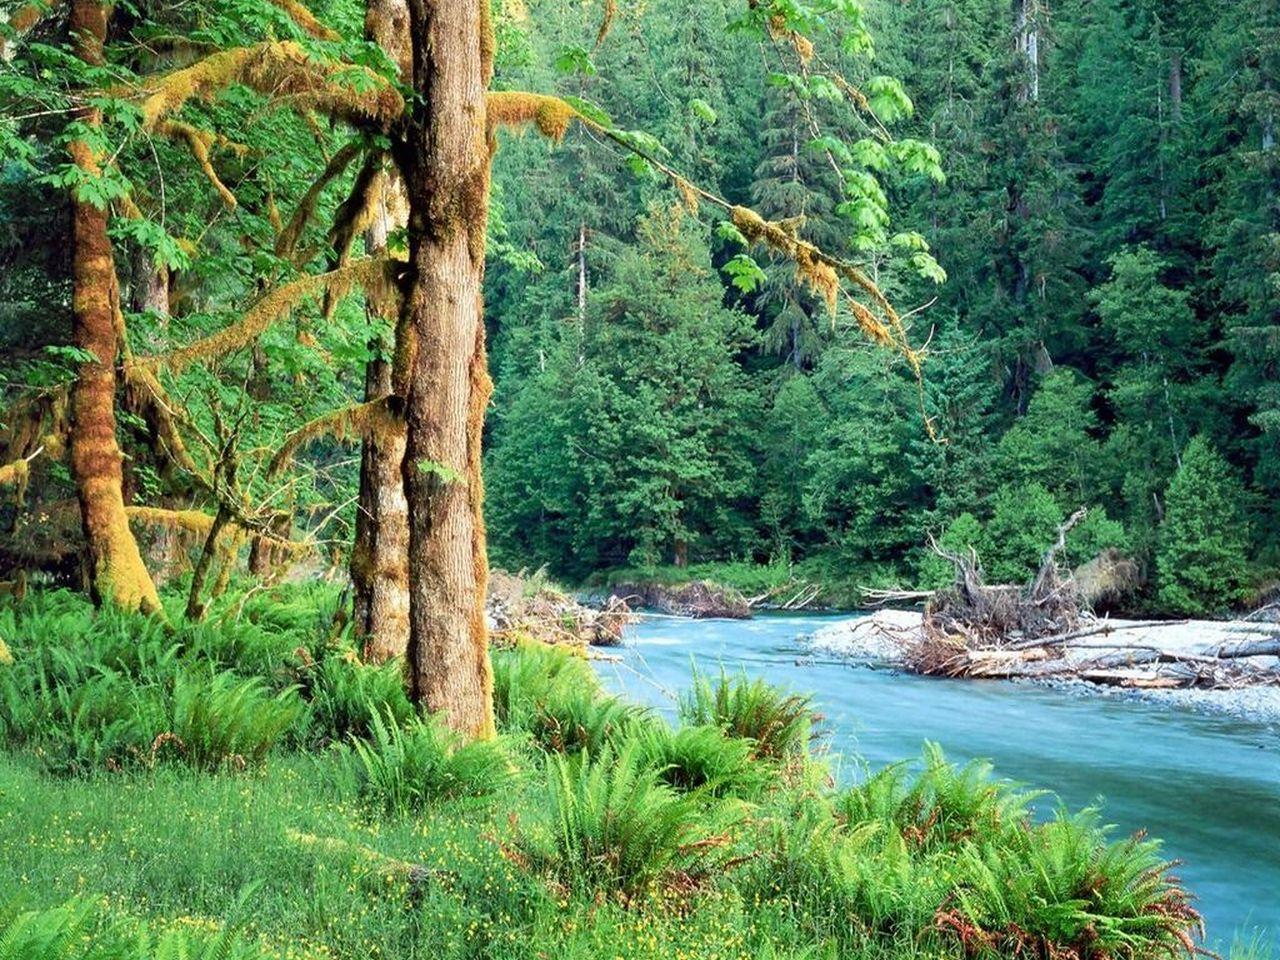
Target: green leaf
{"points": [[744, 273], [702, 110], [575, 60], [445, 473], [727, 230], [888, 99], [592, 111]]}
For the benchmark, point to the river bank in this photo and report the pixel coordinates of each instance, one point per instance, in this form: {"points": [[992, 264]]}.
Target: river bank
{"points": [[1207, 782], [884, 638]]}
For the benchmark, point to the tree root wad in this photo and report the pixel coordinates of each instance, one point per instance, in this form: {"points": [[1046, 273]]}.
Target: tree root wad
{"points": [[971, 614]]}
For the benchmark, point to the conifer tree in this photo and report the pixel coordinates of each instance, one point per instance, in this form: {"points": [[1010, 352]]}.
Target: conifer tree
{"points": [[1202, 559]]}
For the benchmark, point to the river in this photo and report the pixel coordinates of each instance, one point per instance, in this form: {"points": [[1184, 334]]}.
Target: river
{"points": [[1209, 785]]}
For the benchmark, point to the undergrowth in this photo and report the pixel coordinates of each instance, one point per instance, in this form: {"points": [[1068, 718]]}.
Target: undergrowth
{"points": [[169, 778]]}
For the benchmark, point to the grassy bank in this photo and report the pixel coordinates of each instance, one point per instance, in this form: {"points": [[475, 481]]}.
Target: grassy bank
{"points": [[248, 788]]}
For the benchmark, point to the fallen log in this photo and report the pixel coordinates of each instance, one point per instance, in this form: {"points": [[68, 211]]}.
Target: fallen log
{"points": [[1102, 627], [1133, 679]]}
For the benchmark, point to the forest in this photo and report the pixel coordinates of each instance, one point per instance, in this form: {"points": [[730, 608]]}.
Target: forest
{"points": [[317, 317], [1080, 228], [1104, 208]]}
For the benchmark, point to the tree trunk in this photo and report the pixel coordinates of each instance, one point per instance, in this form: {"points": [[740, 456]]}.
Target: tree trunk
{"points": [[1027, 33], [445, 162], [380, 555], [117, 574], [380, 558]]}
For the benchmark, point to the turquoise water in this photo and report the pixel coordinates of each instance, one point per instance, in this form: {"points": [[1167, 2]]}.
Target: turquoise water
{"points": [[1209, 785]]}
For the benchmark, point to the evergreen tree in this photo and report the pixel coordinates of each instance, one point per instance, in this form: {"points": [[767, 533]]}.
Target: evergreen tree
{"points": [[1202, 561], [1024, 522]]}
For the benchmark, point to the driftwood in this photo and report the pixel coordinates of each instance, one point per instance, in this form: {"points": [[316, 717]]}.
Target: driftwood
{"points": [[1004, 631], [976, 614]]}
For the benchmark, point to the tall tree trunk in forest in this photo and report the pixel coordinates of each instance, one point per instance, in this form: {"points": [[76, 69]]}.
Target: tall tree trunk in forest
{"points": [[1026, 14], [117, 574], [445, 161], [380, 559], [380, 555]]}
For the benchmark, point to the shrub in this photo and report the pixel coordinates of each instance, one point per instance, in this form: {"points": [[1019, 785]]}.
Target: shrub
{"points": [[702, 759], [845, 878], [575, 720], [348, 696], [1062, 890], [403, 767], [940, 805], [227, 719], [779, 723], [608, 824], [552, 695], [525, 678]]}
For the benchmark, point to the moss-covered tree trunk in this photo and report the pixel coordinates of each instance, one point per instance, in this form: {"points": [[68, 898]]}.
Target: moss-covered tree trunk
{"points": [[380, 556], [117, 574], [445, 162]]}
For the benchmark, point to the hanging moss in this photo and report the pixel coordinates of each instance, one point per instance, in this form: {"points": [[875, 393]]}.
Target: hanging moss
{"points": [[511, 108], [356, 214], [16, 475], [200, 524], [273, 307], [822, 273], [201, 142], [288, 237], [285, 72], [606, 22], [145, 397], [188, 521], [350, 423]]}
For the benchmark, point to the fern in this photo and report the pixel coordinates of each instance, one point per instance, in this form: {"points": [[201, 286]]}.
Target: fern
{"points": [[610, 825], [779, 723], [402, 768], [227, 719], [702, 759]]}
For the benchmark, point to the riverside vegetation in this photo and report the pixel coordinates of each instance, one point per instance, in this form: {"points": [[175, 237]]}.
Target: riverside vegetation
{"points": [[247, 787]]}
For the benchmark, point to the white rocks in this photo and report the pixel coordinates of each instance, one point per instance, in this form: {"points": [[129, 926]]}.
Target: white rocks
{"points": [[877, 638]]}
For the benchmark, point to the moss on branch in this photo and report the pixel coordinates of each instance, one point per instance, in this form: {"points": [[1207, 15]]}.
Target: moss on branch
{"points": [[201, 143], [307, 21], [372, 274], [513, 108], [349, 423], [287, 241], [286, 74]]}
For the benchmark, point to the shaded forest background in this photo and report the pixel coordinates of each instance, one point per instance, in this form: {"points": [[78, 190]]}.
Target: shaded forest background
{"points": [[1106, 337], [1107, 333]]}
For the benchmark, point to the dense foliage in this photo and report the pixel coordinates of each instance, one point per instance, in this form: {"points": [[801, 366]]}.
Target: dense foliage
{"points": [[1102, 197], [1109, 228]]}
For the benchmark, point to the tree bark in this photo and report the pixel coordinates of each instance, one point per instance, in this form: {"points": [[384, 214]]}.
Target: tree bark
{"points": [[380, 558], [380, 554], [117, 574], [445, 161]]}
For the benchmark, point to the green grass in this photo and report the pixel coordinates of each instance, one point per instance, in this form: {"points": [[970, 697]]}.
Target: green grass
{"points": [[247, 789]]}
